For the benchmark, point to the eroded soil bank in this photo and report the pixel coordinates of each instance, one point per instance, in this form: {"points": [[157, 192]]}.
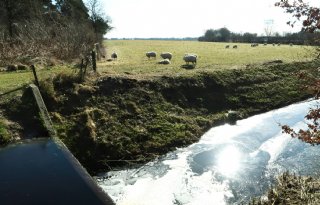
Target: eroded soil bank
{"points": [[115, 121]]}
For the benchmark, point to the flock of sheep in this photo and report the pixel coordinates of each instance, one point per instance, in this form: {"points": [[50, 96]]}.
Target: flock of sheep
{"points": [[188, 58], [256, 44], [166, 56]]}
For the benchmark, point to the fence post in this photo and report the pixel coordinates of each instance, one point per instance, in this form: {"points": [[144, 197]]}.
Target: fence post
{"points": [[35, 75], [97, 47], [94, 62]]}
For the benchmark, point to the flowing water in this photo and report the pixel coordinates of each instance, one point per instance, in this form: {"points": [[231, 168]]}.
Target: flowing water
{"points": [[230, 164]]}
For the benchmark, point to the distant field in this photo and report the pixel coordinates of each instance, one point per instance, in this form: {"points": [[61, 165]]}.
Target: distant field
{"points": [[132, 59]]}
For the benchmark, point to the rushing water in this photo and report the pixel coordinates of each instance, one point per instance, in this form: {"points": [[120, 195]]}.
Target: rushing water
{"points": [[228, 165]]}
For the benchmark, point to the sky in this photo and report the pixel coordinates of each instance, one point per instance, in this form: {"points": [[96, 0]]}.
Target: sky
{"points": [[191, 18]]}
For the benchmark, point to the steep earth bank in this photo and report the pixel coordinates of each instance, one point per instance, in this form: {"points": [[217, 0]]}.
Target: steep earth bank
{"points": [[114, 121]]}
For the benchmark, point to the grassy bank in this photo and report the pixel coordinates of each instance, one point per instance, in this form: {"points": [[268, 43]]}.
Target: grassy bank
{"points": [[115, 121]]}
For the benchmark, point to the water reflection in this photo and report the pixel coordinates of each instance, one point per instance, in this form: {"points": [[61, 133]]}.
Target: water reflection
{"points": [[228, 161], [228, 165]]}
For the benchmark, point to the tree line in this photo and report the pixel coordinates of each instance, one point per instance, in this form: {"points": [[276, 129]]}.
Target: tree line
{"points": [[225, 35], [63, 29]]}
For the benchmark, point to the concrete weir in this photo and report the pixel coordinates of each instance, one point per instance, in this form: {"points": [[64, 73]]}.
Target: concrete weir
{"points": [[43, 171]]}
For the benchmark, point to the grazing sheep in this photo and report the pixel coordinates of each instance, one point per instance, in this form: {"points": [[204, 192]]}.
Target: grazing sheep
{"points": [[190, 58], [166, 55], [254, 45], [151, 54], [235, 46], [22, 67], [164, 61], [114, 55], [11, 68], [227, 46]]}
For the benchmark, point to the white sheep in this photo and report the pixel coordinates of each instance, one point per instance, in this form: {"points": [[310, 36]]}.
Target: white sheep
{"points": [[114, 55], [166, 55], [164, 61], [190, 58], [151, 54]]}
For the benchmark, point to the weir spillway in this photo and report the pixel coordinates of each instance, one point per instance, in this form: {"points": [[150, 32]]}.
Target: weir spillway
{"points": [[43, 171]]}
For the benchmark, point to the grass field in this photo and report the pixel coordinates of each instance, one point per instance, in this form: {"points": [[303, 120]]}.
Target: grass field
{"points": [[133, 62], [132, 59], [12, 80]]}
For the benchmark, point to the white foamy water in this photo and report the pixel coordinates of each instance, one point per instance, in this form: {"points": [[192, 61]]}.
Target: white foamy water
{"points": [[228, 165]]}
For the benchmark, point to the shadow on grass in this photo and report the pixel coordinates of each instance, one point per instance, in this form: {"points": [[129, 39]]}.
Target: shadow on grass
{"points": [[188, 66]]}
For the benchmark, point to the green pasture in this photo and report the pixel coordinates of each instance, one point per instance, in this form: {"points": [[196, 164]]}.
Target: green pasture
{"points": [[12, 80], [133, 62], [132, 59]]}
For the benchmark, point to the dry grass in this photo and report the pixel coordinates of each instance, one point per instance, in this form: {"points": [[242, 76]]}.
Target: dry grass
{"points": [[292, 189], [132, 60]]}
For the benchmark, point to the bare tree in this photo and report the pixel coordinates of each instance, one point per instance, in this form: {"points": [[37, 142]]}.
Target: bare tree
{"points": [[99, 20], [268, 29], [310, 16]]}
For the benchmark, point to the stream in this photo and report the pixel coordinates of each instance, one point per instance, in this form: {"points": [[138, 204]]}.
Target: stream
{"points": [[229, 165]]}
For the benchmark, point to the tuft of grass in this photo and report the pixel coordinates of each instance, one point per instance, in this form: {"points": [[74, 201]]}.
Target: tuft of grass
{"points": [[291, 189], [4, 133]]}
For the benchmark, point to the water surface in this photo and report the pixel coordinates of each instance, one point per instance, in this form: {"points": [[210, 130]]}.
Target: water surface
{"points": [[230, 164]]}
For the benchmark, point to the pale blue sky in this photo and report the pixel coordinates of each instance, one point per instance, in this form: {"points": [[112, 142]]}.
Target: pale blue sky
{"points": [[190, 18]]}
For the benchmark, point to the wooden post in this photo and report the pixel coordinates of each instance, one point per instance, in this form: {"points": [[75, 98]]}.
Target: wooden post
{"points": [[94, 62], [35, 75], [97, 47]]}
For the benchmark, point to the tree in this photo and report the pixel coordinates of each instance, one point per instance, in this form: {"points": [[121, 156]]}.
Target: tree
{"points": [[64, 29], [268, 29], [310, 17], [220, 35], [249, 37], [300, 10], [100, 22], [12, 13]]}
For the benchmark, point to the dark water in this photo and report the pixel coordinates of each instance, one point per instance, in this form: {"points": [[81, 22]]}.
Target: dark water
{"points": [[228, 165], [42, 172]]}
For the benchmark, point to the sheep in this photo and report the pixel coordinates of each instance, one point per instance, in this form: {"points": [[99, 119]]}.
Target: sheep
{"points": [[114, 55], [151, 54], [166, 55], [190, 58], [12, 68], [164, 61], [227, 46], [235, 46]]}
